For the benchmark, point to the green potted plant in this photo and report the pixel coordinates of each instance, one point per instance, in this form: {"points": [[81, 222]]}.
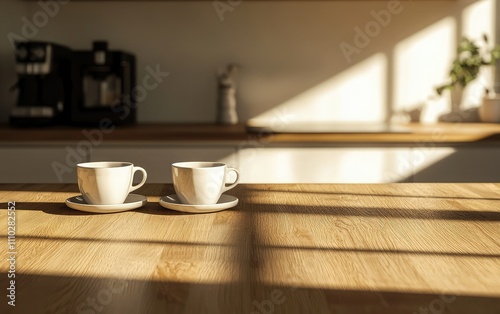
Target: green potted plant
{"points": [[466, 66]]}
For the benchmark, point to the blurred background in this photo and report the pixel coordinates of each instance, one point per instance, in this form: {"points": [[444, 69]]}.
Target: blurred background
{"points": [[306, 60]]}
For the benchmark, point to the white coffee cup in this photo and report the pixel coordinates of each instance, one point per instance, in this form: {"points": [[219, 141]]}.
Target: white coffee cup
{"points": [[201, 182], [107, 182]]}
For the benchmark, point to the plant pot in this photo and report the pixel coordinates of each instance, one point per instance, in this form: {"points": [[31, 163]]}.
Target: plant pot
{"points": [[489, 110]]}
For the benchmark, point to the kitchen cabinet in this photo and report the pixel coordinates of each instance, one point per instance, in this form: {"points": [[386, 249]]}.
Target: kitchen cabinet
{"points": [[264, 164], [41, 164], [57, 163], [370, 165], [156, 160], [456, 164], [325, 165], [429, 153]]}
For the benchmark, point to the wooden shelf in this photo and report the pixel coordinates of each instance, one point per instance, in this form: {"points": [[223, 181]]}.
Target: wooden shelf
{"points": [[442, 133], [248, 0], [128, 133]]}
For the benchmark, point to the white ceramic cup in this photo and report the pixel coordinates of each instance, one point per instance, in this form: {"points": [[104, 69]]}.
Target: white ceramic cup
{"points": [[107, 182], [201, 182]]}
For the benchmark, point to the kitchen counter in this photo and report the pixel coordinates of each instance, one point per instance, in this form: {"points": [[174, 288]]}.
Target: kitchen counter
{"points": [[298, 248], [442, 133]]}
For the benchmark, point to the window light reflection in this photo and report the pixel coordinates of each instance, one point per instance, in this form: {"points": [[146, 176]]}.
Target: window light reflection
{"points": [[355, 95]]}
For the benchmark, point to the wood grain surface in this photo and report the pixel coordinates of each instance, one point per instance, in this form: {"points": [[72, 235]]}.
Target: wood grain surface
{"points": [[301, 248], [420, 134]]}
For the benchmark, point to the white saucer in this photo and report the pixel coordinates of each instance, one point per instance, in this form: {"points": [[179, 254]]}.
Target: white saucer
{"points": [[173, 202], [132, 201]]}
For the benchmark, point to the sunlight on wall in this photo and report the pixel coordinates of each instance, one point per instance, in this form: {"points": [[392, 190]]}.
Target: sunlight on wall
{"points": [[422, 63], [355, 95], [478, 19]]}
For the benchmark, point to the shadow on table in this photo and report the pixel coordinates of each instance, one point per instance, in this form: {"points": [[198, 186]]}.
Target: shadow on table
{"points": [[249, 202], [60, 208], [39, 293], [394, 212], [284, 188], [329, 248], [152, 189]]}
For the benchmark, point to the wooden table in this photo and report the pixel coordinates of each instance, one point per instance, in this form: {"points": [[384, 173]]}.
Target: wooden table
{"points": [[388, 248]]}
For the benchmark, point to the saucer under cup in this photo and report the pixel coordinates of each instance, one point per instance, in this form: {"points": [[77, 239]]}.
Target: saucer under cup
{"points": [[172, 202], [132, 201]]}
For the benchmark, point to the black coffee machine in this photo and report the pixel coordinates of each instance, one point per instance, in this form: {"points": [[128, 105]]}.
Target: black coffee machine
{"points": [[60, 86], [45, 84], [105, 79]]}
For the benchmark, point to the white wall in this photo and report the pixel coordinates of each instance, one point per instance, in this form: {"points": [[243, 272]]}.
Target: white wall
{"points": [[290, 53]]}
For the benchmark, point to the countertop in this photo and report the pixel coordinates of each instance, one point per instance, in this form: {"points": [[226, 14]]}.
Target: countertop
{"points": [[441, 133], [301, 248]]}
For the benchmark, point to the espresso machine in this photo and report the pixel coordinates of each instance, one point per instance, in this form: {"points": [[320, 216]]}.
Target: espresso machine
{"points": [[58, 85], [105, 81], [45, 84]]}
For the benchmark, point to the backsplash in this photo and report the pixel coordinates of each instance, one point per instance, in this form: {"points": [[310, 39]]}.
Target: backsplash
{"points": [[333, 61]]}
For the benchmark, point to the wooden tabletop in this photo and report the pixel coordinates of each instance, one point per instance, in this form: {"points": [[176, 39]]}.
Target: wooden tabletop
{"points": [[419, 134], [386, 248]]}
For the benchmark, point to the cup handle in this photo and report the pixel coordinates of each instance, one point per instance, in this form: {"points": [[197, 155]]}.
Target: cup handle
{"points": [[232, 185], [144, 177]]}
